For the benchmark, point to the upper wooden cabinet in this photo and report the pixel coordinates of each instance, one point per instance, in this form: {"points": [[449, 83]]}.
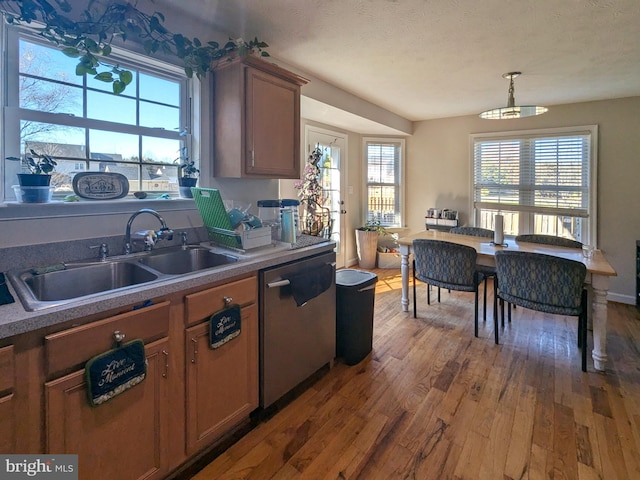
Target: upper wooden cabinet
{"points": [[256, 120]]}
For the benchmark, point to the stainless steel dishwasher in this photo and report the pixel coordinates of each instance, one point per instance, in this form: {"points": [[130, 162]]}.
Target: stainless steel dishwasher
{"points": [[295, 341]]}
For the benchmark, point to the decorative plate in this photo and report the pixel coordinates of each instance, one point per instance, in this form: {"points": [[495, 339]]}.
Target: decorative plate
{"points": [[100, 185]]}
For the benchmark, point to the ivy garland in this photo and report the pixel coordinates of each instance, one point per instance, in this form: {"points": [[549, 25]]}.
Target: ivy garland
{"points": [[89, 37]]}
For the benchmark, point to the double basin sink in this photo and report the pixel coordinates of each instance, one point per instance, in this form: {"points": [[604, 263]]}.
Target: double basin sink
{"points": [[68, 282]]}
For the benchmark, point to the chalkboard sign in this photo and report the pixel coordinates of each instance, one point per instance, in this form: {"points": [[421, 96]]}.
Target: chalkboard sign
{"points": [[113, 372]]}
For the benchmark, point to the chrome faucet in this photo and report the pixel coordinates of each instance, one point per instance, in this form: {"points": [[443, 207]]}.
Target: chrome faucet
{"points": [[149, 237]]}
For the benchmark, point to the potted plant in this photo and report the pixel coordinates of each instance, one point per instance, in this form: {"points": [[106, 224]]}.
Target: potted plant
{"points": [[367, 243], [39, 166], [187, 174], [33, 187]]}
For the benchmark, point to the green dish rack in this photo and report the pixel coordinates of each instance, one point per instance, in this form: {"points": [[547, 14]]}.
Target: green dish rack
{"points": [[219, 228]]}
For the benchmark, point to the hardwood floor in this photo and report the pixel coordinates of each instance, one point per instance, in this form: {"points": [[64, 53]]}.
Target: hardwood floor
{"points": [[433, 402]]}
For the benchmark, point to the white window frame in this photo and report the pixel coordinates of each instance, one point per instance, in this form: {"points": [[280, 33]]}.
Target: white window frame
{"points": [[589, 228], [10, 145], [399, 184]]}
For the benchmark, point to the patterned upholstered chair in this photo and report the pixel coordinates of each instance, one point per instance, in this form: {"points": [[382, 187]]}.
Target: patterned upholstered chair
{"points": [[447, 265], [485, 270], [544, 283], [549, 240]]}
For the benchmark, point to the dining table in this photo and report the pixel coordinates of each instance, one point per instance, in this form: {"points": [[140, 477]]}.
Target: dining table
{"points": [[599, 272]]}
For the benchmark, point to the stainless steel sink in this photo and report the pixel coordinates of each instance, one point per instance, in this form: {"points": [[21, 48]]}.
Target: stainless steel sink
{"points": [[191, 259], [79, 281]]}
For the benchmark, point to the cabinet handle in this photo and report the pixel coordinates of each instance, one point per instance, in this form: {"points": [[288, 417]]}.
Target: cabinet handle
{"points": [[227, 301], [166, 363], [253, 158], [195, 350]]}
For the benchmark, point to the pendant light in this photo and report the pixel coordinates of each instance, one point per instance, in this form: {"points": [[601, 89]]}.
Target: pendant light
{"points": [[512, 110]]}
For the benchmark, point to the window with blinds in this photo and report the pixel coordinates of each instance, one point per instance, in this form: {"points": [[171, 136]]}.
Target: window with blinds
{"points": [[383, 160], [540, 181]]}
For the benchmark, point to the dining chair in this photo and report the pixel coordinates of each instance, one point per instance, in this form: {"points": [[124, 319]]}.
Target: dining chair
{"points": [[549, 240], [486, 270], [544, 283], [447, 265]]}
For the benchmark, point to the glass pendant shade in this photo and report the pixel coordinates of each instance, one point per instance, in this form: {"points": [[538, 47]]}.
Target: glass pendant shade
{"points": [[512, 110]]}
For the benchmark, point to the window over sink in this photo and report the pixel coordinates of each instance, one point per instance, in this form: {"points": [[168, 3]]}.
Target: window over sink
{"points": [[84, 126]]}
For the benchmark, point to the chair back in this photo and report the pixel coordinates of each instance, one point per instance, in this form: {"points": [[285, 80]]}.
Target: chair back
{"points": [[445, 264], [549, 240], [541, 282], [473, 231]]}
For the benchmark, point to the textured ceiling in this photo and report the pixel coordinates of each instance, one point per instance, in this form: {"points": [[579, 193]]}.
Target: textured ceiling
{"points": [[424, 59]]}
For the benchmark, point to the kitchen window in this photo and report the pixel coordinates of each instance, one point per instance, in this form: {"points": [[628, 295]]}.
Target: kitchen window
{"points": [[84, 126], [541, 181], [383, 160]]}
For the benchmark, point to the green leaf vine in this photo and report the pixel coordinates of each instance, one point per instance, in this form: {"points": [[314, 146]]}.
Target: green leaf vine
{"points": [[89, 35]]}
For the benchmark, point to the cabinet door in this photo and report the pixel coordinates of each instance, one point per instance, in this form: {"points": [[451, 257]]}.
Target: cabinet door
{"points": [[222, 383], [7, 401], [272, 132], [124, 438]]}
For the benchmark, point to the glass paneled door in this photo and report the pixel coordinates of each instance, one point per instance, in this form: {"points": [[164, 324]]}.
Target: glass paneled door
{"points": [[333, 148]]}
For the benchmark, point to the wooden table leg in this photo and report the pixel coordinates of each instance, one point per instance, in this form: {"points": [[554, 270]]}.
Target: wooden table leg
{"points": [[600, 284], [404, 269]]}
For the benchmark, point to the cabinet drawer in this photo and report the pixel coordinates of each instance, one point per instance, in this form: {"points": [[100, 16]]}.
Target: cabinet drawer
{"points": [[203, 304], [7, 373], [73, 347]]}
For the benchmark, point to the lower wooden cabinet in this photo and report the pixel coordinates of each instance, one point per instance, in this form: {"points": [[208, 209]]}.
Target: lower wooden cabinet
{"points": [[7, 401], [191, 397], [222, 383], [124, 438]]}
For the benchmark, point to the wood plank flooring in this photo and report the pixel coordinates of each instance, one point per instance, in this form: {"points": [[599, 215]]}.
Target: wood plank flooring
{"points": [[433, 402]]}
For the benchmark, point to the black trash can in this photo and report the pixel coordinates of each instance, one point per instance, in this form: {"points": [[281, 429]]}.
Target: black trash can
{"points": [[355, 292]]}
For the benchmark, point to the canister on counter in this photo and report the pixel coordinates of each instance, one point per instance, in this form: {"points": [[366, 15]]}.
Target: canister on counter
{"points": [[288, 227], [269, 213], [293, 205]]}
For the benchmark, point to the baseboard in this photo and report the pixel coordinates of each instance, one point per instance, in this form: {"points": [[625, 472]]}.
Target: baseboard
{"points": [[619, 298]]}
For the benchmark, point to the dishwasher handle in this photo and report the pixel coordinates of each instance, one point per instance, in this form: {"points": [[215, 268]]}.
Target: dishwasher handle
{"points": [[284, 283]]}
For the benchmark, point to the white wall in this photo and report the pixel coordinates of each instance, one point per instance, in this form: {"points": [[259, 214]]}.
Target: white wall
{"points": [[438, 172]]}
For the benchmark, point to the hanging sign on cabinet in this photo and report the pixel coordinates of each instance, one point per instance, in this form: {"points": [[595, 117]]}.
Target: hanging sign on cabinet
{"points": [[114, 372]]}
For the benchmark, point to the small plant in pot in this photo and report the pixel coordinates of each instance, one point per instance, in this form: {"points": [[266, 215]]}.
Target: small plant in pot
{"points": [[187, 174], [39, 165], [34, 186]]}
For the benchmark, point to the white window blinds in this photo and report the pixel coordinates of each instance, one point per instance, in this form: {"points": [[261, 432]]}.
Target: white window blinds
{"points": [[547, 174]]}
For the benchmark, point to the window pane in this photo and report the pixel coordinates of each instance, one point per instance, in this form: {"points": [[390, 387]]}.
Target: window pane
{"points": [[113, 146], [160, 150], [50, 97], [159, 116], [111, 108], [159, 90], [49, 63], [55, 140]]}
